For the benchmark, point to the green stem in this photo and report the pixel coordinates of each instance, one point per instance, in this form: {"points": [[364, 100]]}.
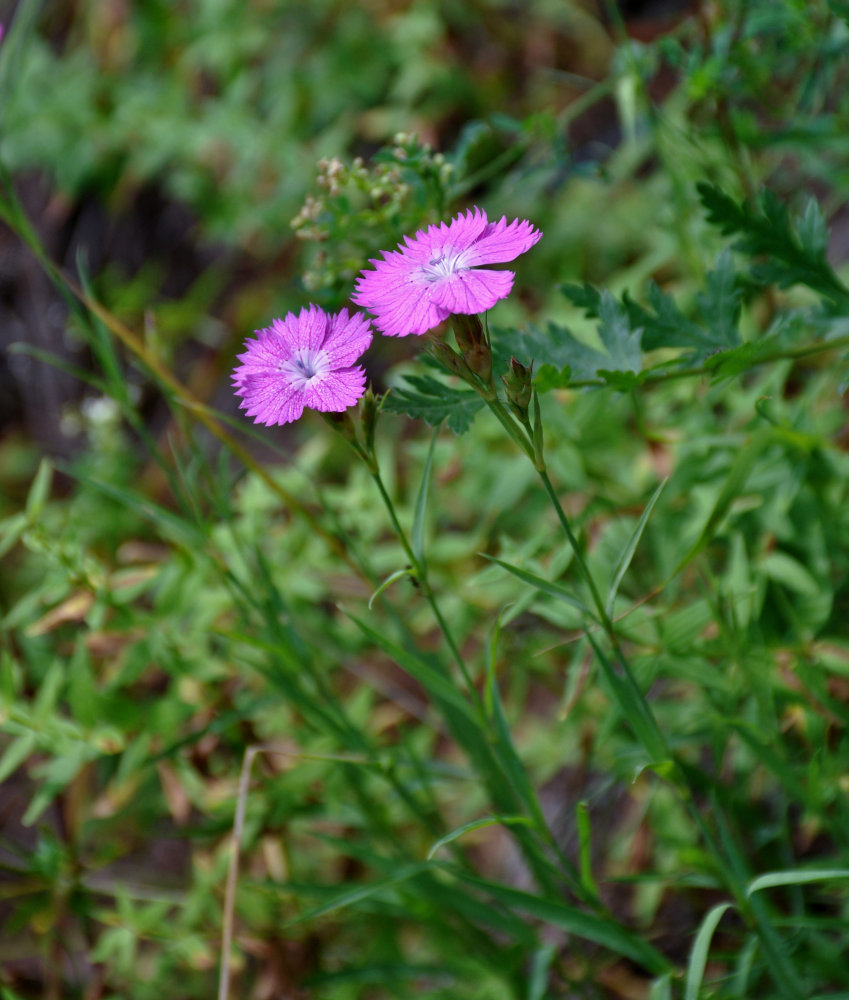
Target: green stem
{"points": [[786, 354], [648, 730], [424, 583], [604, 617]]}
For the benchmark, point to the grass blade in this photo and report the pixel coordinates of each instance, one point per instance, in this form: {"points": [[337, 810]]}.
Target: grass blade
{"points": [[627, 555], [546, 586], [478, 824], [699, 953], [774, 879], [584, 925], [417, 535]]}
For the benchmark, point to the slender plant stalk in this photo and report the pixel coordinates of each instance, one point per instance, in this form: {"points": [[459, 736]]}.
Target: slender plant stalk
{"points": [[421, 576], [754, 910]]}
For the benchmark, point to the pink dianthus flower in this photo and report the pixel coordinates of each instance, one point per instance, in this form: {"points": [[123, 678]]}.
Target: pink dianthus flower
{"points": [[437, 273], [302, 361]]}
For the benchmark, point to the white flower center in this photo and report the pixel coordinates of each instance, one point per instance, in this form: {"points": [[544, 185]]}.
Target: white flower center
{"points": [[443, 266], [304, 365]]}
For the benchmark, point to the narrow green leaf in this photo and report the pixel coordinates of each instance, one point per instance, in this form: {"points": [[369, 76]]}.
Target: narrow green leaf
{"points": [[491, 680], [740, 979], [582, 822], [802, 877], [350, 897], [627, 554], [57, 774], [661, 988], [397, 575], [634, 707], [813, 230], [478, 824], [417, 535], [699, 953], [585, 926], [17, 35], [540, 968], [39, 491], [739, 473], [11, 530], [48, 693], [511, 765], [438, 685], [16, 753], [546, 586]]}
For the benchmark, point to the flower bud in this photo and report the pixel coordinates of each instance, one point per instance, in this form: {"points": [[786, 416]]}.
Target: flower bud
{"points": [[449, 358], [371, 407], [473, 345], [517, 383]]}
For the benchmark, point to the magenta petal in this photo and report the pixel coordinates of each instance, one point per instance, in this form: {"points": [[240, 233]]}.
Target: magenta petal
{"points": [[473, 291], [464, 230], [312, 327], [299, 361], [500, 243], [398, 298], [433, 273], [336, 393], [347, 338], [413, 313], [268, 401]]}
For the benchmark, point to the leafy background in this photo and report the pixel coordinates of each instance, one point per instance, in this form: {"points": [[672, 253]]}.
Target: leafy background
{"points": [[164, 606]]}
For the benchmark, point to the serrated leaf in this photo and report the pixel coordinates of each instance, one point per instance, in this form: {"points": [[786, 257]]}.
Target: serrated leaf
{"points": [[426, 398], [719, 304], [548, 377], [559, 356], [765, 232], [556, 347], [585, 296], [664, 325], [623, 343], [668, 326]]}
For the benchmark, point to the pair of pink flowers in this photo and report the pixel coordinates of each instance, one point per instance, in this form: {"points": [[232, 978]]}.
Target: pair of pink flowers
{"points": [[308, 360]]}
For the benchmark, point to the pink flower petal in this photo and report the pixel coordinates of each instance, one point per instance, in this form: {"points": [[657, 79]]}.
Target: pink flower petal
{"points": [[431, 275], [473, 291], [347, 338], [302, 361], [499, 243], [339, 391]]}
